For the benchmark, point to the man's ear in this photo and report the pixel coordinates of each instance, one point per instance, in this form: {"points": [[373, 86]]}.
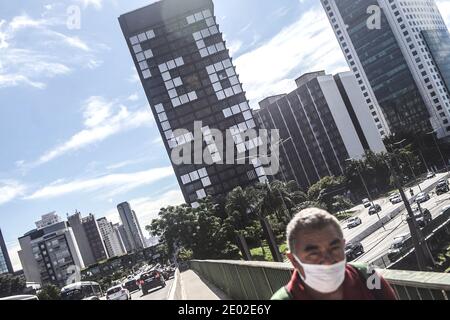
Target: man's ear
{"points": [[294, 262]]}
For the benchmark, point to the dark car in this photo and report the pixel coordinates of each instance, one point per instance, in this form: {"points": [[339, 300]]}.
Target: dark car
{"points": [[422, 218], [374, 209], [353, 251], [442, 187], [151, 280], [131, 285]]}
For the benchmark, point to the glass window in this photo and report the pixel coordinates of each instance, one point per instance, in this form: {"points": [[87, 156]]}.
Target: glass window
{"points": [[140, 57], [177, 82], [146, 74], [148, 54], [159, 108], [150, 34], [142, 37], [166, 76], [192, 95], [137, 48]]}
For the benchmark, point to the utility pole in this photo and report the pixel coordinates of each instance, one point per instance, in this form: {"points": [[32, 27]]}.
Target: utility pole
{"points": [[439, 149], [423, 254]]}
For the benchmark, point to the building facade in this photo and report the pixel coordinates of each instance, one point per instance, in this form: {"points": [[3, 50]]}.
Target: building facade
{"points": [[89, 238], [131, 226], [50, 255], [5, 261], [112, 241], [188, 75], [124, 236], [322, 123], [384, 44]]}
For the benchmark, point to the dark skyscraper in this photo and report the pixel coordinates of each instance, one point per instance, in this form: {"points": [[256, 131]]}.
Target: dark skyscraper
{"points": [[385, 44], [5, 262], [322, 123], [188, 76]]}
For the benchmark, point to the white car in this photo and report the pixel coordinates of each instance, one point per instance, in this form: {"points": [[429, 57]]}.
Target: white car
{"points": [[422, 197], [395, 198], [431, 175], [118, 293], [353, 222]]}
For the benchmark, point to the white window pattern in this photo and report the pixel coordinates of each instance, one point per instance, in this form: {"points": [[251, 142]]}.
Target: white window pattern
{"points": [[211, 145], [237, 131], [220, 71], [162, 117], [238, 108], [199, 16], [201, 35], [172, 84], [195, 175], [141, 55], [259, 170]]}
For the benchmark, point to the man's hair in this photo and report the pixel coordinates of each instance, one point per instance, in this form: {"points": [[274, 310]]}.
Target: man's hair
{"points": [[307, 219]]}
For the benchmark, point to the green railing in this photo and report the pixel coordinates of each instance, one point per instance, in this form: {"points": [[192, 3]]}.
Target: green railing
{"points": [[243, 280]]}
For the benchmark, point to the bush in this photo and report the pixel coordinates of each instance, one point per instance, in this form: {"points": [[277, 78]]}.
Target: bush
{"points": [[49, 292]]}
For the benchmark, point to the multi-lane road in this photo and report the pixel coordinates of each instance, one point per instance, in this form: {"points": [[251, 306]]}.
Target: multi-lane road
{"points": [[378, 243], [155, 294]]}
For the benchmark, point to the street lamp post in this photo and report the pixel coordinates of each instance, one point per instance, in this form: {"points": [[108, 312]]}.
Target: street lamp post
{"points": [[439, 149]]}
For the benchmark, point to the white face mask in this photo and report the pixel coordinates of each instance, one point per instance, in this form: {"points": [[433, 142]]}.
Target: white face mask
{"points": [[323, 278]]}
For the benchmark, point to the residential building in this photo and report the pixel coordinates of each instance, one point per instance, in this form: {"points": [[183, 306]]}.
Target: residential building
{"points": [[112, 241], [5, 261], [132, 228]]}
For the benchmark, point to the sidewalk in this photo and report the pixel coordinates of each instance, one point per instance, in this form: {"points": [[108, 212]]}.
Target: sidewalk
{"points": [[193, 287]]}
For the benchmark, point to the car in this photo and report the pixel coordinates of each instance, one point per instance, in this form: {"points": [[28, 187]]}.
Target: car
{"points": [[353, 222], [374, 209], [431, 175], [151, 280], [395, 198], [422, 197], [353, 251], [422, 217], [398, 247], [442, 187], [445, 208], [118, 293], [84, 290], [131, 284], [366, 203], [21, 297]]}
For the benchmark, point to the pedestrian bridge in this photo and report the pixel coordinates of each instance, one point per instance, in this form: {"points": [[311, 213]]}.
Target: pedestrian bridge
{"points": [[250, 280]]}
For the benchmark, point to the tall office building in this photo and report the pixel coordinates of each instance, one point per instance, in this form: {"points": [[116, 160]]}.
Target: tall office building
{"points": [[131, 226], [47, 220], [5, 261], [322, 123], [116, 227], [89, 238], [112, 241], [124, 236], [188, 76], [50, 254], [396, 69]]}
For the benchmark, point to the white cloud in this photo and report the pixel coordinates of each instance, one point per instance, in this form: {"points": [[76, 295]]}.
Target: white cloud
{"points": [[125, 163], [444, 8], [97, 4], [102, 119], [147, 208], [306, 45], [133, 97], [234, 46], [31, 52], [110, 185], [9, 190]]}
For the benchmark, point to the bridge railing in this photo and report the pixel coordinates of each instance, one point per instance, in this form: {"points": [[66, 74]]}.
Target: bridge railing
{"points": [[243, 280]]}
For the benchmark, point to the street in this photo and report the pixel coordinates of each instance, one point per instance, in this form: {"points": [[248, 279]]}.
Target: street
{"points": [[378, 243], [387, 207], [155, 294]]}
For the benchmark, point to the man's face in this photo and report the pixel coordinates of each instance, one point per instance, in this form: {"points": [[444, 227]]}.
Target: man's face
{"points": [[322, 246]]}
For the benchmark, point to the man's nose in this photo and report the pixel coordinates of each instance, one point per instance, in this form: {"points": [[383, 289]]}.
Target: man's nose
{"points": [[328, 259]]}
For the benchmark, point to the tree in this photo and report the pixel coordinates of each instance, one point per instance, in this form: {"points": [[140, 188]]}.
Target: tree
{"points": [[11, 285], [49, 292]]}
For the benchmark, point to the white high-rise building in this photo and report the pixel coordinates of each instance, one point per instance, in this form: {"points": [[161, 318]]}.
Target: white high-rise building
{"points": [[131, 225], [47, 220], [50, 254], [113, 242], [394, 48]]}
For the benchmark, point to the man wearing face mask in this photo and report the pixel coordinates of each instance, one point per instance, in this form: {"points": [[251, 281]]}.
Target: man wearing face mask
{"points": [[316, 250]]}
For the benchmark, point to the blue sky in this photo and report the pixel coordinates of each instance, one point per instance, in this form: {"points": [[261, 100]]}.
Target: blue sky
{"points": [[76, 131]]}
